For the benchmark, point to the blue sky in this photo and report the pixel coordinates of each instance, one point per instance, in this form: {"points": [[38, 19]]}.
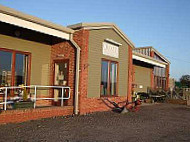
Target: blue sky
{"points": [[163, 24]]}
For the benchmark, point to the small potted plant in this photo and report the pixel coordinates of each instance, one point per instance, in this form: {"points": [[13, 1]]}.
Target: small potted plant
{"points": [[25, 101]]}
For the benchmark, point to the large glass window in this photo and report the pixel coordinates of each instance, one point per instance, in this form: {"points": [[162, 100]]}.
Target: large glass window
{"points": [[113, 78], [13, 68], [5, 68], [21, 69], [160, 77], [109, 78], [104, 80]]}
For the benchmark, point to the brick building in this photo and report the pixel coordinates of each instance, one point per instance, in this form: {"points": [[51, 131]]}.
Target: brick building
{"points": [[150, 70], [61, 70]]}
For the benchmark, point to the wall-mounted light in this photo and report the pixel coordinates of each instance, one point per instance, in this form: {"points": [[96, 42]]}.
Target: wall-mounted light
{"points": [[60, 55], [17, 33]]}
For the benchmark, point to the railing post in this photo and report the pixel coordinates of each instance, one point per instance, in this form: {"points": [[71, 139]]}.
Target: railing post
{"points": [[35, 94], [62, 93], [5, 106]]}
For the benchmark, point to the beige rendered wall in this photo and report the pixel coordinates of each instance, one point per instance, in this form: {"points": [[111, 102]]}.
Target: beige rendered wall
{"points": [[96, 38], [40, 57], [142, 78]]}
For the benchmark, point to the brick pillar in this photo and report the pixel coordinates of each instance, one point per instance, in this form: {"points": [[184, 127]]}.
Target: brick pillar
{"points": [[152, 54], [152, 72], [81, 37], [152, 78], [130, 74], [167, 76]]}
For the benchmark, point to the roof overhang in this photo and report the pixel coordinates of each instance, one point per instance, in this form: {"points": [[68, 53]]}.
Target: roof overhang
{"points": [[156, 51], [13, 17], [96, 26], [148, 60]]}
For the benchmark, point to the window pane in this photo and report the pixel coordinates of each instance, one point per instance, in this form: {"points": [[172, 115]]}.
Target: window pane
{"points": [[5, 68], [113, 79], [104, 78], [21, 67]]}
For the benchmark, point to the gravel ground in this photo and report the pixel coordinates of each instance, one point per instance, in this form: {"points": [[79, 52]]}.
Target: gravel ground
{"points": [[160, 122]]}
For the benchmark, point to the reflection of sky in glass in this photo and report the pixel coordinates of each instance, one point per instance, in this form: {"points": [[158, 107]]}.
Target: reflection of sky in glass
{"points": [[104, 71], [19, 68], [113, 78], [5, 61]]}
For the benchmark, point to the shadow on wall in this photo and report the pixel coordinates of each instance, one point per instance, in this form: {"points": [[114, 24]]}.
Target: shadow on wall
{"points": [[115, 107]]}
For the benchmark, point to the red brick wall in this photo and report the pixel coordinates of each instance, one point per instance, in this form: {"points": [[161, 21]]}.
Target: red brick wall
{"points": [[133, 78], [152, 72], [130, 74], [152, 54], [88, 105], [152, 78], [66, 49], [15, 116], [167, 76], [81, 37]]}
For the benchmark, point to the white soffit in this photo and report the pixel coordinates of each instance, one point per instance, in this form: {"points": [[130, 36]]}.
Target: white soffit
{"points": [[112, 41], [148, 61], [32, 26]]}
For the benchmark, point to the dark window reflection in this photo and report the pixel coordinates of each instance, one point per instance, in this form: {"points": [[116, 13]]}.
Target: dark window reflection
{"points": [[104, 78], [21, 69], [5, 68]]}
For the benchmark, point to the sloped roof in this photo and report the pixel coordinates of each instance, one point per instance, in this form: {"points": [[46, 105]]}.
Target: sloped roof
{"points": [[92, 26], [156, 51]]}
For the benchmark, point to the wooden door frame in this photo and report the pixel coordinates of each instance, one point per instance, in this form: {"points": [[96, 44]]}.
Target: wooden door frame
{"points": [[59, 61]]}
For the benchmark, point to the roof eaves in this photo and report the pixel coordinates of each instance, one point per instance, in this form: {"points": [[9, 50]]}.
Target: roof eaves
{"points": [[148, 57], [15, 13], [156, 51]]}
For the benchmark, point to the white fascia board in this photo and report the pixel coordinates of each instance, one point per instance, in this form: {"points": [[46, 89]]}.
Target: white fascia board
{"points": [[148, 61], [112, 41], [32, 26], [97, 28]]}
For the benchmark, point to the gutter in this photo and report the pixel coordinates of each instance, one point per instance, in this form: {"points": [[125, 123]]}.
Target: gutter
{"points": [[76, 102]]}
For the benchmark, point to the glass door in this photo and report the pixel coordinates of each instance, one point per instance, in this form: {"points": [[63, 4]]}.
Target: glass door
{"points": [[61, 77]]}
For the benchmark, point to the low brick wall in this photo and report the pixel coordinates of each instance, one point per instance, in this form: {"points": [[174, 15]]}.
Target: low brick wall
{"points": [[89, 105], [16, 116]]}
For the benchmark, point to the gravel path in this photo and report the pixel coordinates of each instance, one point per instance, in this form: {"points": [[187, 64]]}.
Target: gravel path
{"points": [[161, 122]]}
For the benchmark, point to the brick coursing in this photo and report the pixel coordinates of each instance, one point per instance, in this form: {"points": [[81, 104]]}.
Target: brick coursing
{"points": [[15, 116], [152, 72], [167, 76], [130, 74], [81, 37], [68, 51]]}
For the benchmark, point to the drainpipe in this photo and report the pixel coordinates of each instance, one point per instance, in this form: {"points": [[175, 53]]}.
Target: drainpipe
{"points": [[76, 103]]}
